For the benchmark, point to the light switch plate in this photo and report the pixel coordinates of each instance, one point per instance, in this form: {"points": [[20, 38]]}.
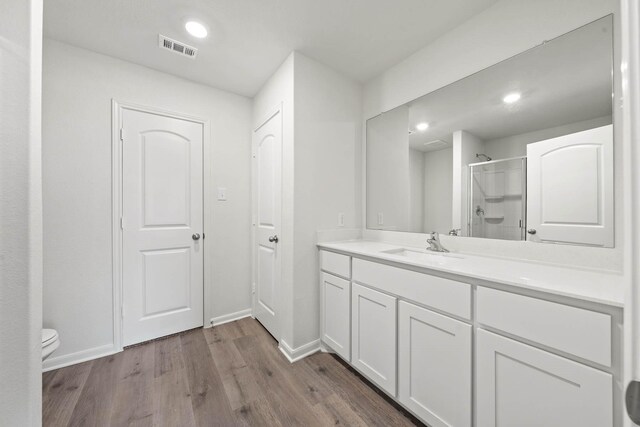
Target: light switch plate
{"points": [[222, 194]]}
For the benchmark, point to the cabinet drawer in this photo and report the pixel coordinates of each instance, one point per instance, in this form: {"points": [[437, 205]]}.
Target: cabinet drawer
{"points": [[335, 263], [582, 333], [442, 294]]}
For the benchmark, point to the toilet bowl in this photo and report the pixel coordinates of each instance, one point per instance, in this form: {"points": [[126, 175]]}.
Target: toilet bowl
{"points": [[50, 342]]}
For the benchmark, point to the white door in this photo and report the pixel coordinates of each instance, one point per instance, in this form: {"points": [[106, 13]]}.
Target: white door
{"points": [[335, 314], [373, 335], [519, 385], [267, 149], [570, 188], [434, 366], [162, 250]]}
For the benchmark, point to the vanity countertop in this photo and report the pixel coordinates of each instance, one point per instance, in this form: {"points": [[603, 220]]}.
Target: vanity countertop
{"points": [[599, 287]]}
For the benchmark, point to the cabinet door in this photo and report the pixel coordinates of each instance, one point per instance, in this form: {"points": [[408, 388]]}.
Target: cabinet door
{"points": [[373, 332], [336, 319], [519, 385], [434, 366]]}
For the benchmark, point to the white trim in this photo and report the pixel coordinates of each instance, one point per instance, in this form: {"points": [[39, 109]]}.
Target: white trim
{"points": [[231, 317], [630, 86], [78, 357], [116, 204], [293, 355]]}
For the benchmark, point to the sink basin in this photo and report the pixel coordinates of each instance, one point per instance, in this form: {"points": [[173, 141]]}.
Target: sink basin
{"points": [[437, 258]]}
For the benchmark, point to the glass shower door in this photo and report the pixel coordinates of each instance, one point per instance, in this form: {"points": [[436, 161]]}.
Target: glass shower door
{"points": [[497, 199]]}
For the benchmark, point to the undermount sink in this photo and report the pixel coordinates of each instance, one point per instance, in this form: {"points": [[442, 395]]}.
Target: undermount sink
{"points": [[439, 258]]}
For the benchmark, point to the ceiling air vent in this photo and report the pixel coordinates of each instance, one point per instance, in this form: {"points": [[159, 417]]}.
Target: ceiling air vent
{"points": [[176, 46]]}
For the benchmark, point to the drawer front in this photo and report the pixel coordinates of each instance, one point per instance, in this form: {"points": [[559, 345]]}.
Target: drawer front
{"points": [[336, 264], [580, 332], [441, 294]]}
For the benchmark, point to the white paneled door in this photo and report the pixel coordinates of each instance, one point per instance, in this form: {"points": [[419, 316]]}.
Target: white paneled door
{"points": [[267, 151], [162, 222], [570, 188]]}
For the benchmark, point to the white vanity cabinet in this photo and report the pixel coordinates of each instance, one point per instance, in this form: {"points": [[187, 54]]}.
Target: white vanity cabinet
{"points": [[458, 351], [373, 329], [523, 386], [434, 366]]}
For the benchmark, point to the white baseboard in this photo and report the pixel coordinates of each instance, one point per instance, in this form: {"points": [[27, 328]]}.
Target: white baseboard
{"points": [[215, 321], [56, 362], [293, 355]]}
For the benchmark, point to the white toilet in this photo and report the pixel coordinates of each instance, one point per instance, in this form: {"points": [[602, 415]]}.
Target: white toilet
{"points": [[50, 342]]}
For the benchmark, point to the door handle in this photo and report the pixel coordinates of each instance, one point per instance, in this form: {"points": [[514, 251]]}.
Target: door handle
{"points": [[273, 239], [195, 236], [532, 231]]}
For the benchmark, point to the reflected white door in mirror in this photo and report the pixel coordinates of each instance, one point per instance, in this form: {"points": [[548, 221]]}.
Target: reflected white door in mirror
{"points": [[570, 182]]}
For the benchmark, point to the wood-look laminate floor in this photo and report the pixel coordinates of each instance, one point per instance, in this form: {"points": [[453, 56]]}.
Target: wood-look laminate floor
{"points": [[229, 375]]}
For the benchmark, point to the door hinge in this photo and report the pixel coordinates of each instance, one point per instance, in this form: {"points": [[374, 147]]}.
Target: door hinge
{"points": [[202, 236], [122, 311], [121, 224], [253, 288], [122, 134]]}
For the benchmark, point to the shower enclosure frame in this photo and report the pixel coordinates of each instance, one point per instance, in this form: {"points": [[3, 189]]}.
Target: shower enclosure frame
{"points": [[470, 207]]}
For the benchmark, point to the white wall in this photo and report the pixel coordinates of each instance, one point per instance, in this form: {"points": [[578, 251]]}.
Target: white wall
{"points": [[438, 182], [20, 213], [465, 147], [278, 93], [321, 169], [416, 190], [501, 31], [327, 149], [388, 175], [78, 88], [516, 145]]}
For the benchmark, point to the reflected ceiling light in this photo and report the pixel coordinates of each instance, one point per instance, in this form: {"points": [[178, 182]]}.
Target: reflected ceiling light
{"points": [[512, 97], [422, 126], [196, 29]]}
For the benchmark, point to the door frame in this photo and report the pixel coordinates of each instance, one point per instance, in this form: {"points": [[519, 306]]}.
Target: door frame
{"points": [[117, 109], [254, 211]]}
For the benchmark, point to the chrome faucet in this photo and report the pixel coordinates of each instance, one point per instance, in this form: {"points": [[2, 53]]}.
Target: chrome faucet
{"points": [[434, 243]]}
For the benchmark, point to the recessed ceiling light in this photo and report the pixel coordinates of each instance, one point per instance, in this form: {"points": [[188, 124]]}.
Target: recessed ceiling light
{"points": [[422, 126], [196, 29], [511, 98]]}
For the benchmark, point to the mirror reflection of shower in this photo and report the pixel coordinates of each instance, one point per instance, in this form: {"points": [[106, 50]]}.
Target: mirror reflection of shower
{"points": [[497, 198]]}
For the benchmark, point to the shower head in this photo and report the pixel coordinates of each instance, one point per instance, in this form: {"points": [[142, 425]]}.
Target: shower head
{"points": [[487, 158]]}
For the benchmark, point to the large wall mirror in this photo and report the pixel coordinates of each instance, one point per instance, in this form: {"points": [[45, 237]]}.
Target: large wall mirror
{"points": [[522, 150]]}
